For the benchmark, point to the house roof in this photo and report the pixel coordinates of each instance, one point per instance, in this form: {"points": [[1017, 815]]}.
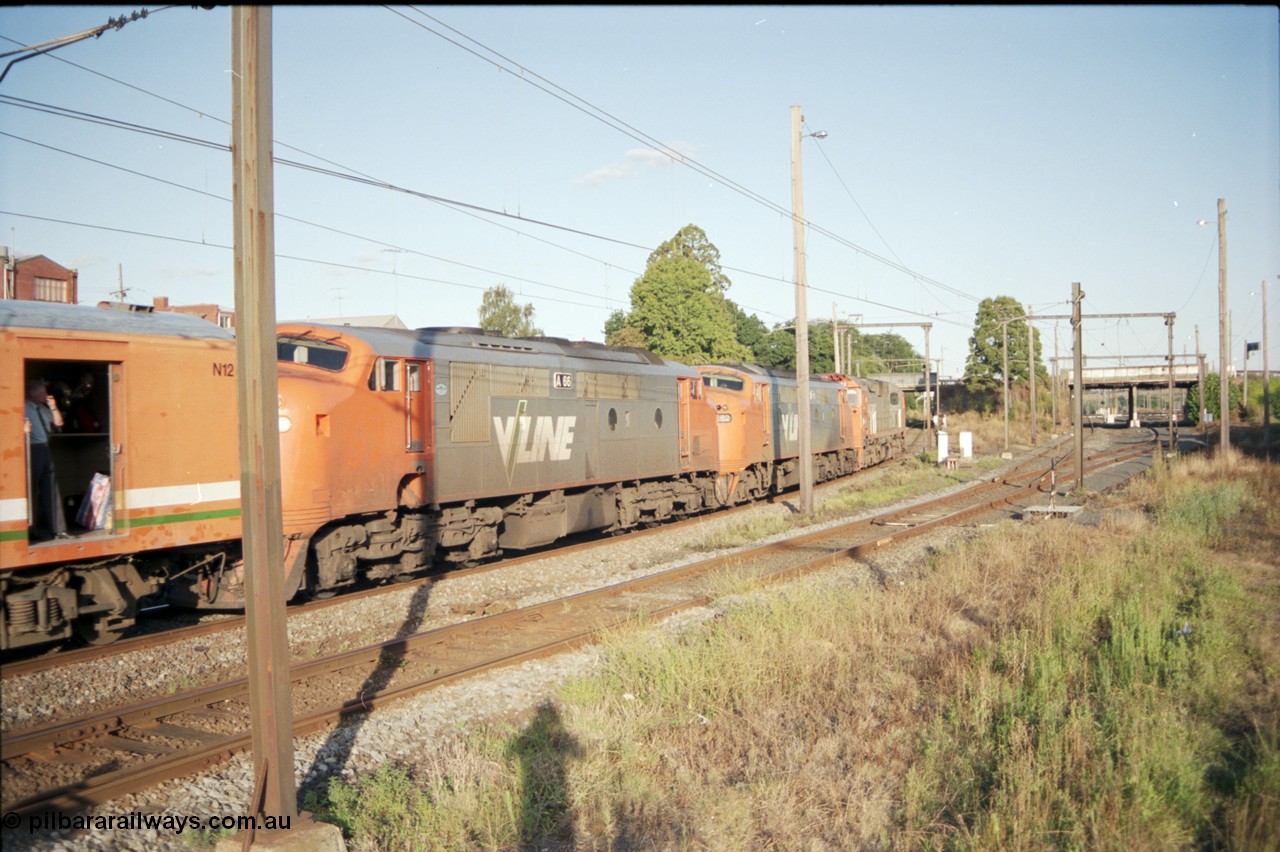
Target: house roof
{"points": [[374, 321]]}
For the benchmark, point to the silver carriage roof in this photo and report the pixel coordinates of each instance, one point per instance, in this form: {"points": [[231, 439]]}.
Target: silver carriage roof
{"points": [[59, 317], [467, 344]]}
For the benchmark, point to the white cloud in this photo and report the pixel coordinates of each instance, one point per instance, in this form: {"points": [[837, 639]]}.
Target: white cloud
{"points": [[636, 162]]}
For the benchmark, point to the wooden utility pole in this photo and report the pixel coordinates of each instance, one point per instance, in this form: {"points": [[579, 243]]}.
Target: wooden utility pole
{"points": [[1266, 378], [1173, 427], [1224, 340], [120, 292], [802, 319], [270, 708], [835, 336], [1244, 368]]}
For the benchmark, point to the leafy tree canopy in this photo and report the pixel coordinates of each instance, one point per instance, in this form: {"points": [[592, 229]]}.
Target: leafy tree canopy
{"points": [[893, 349], [871, 353], [691, 242], [681, 313], [749, 329], [499, 312], [984, 366], [1212, 399], [678, 307]]}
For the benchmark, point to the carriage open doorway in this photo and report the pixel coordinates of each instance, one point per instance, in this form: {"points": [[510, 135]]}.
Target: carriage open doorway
{"points": [[80, 451]]}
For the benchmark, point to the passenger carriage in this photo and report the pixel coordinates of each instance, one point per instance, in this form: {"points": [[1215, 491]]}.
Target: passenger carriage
{"points": [[156, 424]]}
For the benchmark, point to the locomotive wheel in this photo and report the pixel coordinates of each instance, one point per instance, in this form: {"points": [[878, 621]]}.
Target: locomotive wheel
{"points": [[102, 630]]}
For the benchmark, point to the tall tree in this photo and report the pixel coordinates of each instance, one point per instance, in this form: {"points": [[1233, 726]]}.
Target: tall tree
{"points": [[499, 312], [750, 330], [1212, 399], [691, 242], [984, 366], [682, 315], [872, 353], [678, 307]]}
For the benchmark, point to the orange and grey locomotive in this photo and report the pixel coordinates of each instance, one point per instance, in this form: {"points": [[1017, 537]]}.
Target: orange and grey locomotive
{"points": [[400, 448]]}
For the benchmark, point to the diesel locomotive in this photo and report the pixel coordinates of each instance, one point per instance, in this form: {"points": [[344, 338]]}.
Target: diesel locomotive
{"points": [[399, 449]]}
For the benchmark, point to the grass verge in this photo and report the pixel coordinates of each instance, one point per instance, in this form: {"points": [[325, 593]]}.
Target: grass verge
{"points": [[1049, 685]]}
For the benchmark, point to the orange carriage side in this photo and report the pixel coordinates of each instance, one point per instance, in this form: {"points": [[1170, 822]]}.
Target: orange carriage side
{"points": [[146, 467]]}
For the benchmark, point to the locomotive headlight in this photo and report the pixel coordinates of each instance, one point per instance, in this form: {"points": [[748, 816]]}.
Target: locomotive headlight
{"points": [[724, 418], [285, 423]]}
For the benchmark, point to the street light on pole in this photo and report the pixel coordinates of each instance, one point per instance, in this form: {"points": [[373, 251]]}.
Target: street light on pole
{"points": [[802, 313]]}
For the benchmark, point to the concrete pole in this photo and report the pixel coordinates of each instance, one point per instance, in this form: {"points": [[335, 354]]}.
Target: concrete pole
{"points": [[270, 704], [1200, 365], [1224, 404], [802, 318], [1056, 374], [928, 401], [1077, 295]]}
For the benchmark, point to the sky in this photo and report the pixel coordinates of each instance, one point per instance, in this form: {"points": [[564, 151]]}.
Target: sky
{"points": [[426, 154]]}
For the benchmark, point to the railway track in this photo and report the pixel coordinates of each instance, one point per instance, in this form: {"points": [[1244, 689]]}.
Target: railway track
{"points": [[100, 756], [57, 657]]}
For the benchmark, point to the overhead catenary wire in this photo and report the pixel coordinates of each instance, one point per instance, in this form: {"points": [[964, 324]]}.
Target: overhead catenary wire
{"points": [[355, 178], [345, 173], [530, 77]]}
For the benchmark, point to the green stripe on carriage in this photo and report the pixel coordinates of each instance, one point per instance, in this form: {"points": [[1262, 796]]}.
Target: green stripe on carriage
{"points": [[188, 517], [185, 517]]}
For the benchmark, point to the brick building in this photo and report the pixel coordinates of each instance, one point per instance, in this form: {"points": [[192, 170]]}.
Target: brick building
{"points": [[219, 316], [36, 278]]}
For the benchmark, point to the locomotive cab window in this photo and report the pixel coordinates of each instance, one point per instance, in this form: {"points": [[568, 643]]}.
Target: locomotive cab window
{"points": [[720, 380], [68, 448], [385, 375], [317, 353]]}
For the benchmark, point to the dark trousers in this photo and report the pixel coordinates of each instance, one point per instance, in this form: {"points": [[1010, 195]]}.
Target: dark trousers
{"points": [[47, 519]]}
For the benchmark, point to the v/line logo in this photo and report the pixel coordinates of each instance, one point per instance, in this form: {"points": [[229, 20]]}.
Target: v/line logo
{"points": [[791, 427], [523, 438]]}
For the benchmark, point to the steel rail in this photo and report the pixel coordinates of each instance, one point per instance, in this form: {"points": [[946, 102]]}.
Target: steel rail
{"points": [[557, 625]]}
